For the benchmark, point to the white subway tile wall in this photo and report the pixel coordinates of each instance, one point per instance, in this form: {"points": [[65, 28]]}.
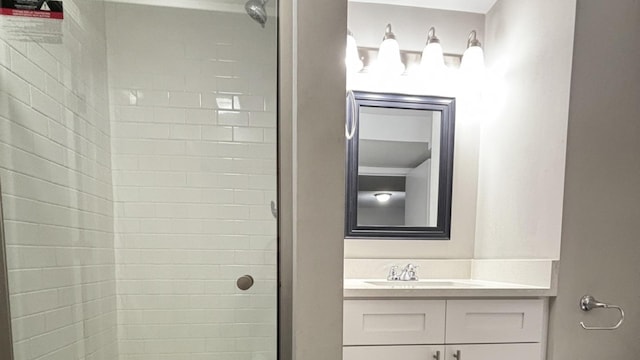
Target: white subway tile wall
{"points": [[193, 97], [55, 166]]}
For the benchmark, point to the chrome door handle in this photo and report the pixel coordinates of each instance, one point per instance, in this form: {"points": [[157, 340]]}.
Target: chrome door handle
{"points": [[588, 303], [457, 355], [437, 355]]}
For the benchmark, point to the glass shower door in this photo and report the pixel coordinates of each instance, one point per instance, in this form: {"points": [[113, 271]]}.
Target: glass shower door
{"points": [[138, 161]]}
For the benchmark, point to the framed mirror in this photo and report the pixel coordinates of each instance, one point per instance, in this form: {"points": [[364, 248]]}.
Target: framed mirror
{"points": [[399, 166]]}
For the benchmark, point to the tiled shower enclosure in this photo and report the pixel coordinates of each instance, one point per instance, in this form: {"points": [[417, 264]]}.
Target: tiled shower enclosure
{"points": [[138, 167]]}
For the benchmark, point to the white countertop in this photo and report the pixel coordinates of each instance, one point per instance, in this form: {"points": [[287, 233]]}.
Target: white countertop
{"points": [[439, 288]]}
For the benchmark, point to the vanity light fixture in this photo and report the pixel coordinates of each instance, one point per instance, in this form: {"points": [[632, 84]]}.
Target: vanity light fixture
{"points": [[352, 60], [432, 55], [473, 58], [382, 197], [389, 61]]}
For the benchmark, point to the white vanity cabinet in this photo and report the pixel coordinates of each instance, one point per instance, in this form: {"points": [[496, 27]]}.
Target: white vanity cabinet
{"points": [[423, 329]]}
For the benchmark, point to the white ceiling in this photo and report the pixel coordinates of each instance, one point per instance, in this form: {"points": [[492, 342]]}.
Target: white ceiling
{"points": [[237, 6], [473, 6], [234, 6], [392, 154]]}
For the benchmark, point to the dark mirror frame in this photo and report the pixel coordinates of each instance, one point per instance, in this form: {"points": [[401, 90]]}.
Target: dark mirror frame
{"points": [[399, 101]]}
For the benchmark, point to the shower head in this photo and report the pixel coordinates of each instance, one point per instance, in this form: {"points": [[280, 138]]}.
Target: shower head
{"points": [[255, 9]]}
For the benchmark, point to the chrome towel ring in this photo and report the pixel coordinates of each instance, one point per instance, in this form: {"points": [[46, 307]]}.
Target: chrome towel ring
{"points": [[588, 303]]}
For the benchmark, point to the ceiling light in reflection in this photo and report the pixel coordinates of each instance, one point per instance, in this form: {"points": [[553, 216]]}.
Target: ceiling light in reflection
{"points": [[382, 197]]}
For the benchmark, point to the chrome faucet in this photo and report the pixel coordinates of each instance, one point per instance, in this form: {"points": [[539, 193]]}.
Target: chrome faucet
{"points": [[409, 273]]}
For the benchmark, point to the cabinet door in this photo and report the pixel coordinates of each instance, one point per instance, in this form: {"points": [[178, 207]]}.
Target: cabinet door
{"points": [[494, 321], [394, 322], [393, 352], [494, 352]]}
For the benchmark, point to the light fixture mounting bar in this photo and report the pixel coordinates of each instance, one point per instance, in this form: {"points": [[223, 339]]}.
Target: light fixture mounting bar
{"points": [[409, 58]]}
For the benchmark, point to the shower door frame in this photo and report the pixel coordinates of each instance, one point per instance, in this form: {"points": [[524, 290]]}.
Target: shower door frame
{"points": [[284, 99], [6, 339]]}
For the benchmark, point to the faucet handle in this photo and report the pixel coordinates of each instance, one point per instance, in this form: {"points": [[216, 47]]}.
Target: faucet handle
{"points": [[411, 266], [393, 273]]}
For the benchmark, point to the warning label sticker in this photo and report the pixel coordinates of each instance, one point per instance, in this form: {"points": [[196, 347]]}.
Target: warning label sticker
{"points": [[47, 9]]}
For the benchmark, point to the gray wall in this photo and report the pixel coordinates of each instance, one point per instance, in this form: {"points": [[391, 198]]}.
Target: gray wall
{"points": [[523, 138], [600, 242], [312, 153], [381, 215]]}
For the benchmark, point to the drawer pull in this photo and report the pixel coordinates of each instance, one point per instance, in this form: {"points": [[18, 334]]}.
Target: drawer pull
{"points": [[437, 355], [457, 355]]}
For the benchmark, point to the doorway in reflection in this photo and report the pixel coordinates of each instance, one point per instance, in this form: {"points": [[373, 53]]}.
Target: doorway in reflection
{"points": [[398, 167]]}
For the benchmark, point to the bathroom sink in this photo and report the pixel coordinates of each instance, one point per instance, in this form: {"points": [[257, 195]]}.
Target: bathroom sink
{"points": [[424, 284]]}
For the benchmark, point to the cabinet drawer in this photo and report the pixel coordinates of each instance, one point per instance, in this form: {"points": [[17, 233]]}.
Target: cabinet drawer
{"points": [[494, 352], [389, 322], [494, 321], [393, 352]]}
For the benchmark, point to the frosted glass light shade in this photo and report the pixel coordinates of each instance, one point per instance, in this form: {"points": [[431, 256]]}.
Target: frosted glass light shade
{"points": [[352, 60], [473, 61], [432, 58], [389, 61]]}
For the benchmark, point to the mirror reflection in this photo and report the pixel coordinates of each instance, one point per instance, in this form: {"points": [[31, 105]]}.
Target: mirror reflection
{"points": [[398, 167]]}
